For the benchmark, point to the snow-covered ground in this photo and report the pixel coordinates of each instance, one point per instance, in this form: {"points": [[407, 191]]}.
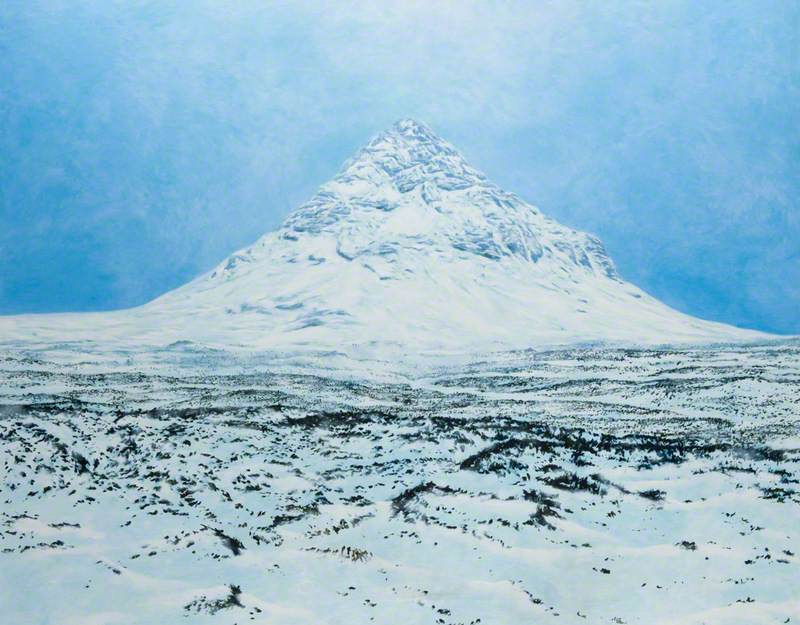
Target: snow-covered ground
{"points": [[304, 435], [575, 486]]}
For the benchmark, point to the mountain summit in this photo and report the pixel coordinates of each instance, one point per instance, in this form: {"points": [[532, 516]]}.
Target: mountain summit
{"points": [[411, 247], [409, 189]]}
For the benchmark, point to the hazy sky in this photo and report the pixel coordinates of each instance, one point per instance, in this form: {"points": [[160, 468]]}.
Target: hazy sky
{"points": [[142, 142]]}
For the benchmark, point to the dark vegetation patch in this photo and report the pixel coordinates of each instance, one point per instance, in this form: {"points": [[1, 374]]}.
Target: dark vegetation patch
{"points": [[594, 484], [212, 606], [653, 494], [338, 420], [547, 507], [778, 493], [401, 504], [484, 461], [230, 542]]}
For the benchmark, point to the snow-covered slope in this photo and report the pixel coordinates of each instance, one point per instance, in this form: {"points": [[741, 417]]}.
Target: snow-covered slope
{"points": [[409, 246]]}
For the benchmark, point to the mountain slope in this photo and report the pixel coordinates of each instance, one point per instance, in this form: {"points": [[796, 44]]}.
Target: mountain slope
{"points": [[408, 246]]}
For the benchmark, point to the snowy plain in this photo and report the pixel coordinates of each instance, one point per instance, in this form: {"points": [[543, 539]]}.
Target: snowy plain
{"points": [[574, 486]]}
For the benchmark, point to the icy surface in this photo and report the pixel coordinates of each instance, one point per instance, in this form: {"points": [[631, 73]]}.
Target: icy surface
{"points": [[408, 247], [576, 486]]}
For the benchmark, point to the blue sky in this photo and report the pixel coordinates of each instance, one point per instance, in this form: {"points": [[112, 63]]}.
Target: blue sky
{"points": [[142, 142]]}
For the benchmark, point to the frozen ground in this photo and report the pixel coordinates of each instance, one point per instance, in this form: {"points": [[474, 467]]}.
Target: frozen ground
{"points": [[581, 486]]}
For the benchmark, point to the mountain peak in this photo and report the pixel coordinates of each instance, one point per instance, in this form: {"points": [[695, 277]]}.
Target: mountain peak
{"points": [[411, 125], [407, 155], [413, 131], [409, 193]]}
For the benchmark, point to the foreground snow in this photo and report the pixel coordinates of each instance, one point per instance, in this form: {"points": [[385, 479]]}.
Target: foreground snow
{"points": [[578, 486]]}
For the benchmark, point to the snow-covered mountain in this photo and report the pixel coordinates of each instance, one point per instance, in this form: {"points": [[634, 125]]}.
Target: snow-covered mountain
{"points": [[368, 462], [408, 246]]}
